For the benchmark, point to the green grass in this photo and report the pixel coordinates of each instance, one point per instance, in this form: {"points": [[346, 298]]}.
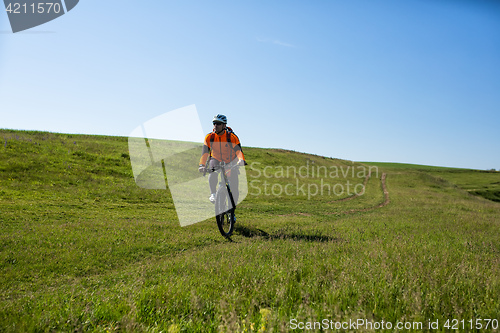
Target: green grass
{"points": [[82, 248], [389, 165], [484, 183]]}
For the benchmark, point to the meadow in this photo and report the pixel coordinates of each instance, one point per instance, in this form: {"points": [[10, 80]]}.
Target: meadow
{"points": [[83, 248]]}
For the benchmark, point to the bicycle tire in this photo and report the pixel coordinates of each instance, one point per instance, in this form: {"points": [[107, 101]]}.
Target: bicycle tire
{"points": [[223, 214]]}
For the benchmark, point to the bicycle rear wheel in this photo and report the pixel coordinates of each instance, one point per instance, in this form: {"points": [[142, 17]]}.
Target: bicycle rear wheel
{"points": [[223, 213]]}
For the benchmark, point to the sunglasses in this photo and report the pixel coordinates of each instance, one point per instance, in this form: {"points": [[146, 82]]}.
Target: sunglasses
{"points": [[217, 123]]}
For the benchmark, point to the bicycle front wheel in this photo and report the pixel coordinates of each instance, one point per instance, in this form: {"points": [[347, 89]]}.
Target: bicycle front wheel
{"points": [[224, 213]]}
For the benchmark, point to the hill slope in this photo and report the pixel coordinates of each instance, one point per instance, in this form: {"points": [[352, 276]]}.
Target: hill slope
{"points": [[83, 248], [485, 183]]}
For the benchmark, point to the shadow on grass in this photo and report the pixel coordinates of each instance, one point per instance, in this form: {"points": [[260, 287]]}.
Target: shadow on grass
{"points": [[250, 232]]}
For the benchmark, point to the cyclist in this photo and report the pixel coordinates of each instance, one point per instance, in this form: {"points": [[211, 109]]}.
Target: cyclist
{"points": [[221, 145]]}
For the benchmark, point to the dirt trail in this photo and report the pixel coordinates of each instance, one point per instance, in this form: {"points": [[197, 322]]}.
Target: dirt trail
{"points": [[354, 196], [384, 203]]}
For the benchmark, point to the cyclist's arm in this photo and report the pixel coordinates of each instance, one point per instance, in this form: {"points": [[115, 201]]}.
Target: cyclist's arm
{"points": [[237, 147], [205, 152], [239, 152]]}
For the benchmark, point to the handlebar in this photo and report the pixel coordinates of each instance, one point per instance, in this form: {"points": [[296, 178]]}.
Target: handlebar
{"points": [[223, 165]]}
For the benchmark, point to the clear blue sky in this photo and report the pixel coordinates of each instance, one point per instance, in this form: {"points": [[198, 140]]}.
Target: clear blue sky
{"points": [[414, 81]]}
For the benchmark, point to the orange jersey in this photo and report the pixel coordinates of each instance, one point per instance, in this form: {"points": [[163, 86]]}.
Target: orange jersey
{"points": [[220, 148]]}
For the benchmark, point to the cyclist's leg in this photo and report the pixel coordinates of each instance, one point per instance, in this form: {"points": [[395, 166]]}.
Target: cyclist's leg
{"points": [[233, 181], [213, 173]]}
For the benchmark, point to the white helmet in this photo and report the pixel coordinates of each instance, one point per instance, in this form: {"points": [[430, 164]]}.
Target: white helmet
{"points": [[220, 118]]}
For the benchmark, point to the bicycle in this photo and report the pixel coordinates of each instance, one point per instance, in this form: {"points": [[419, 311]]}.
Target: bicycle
{"points": [[224, 202]]}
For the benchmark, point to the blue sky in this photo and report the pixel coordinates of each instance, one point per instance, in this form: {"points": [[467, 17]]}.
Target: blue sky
{"points": [[414, 81]]}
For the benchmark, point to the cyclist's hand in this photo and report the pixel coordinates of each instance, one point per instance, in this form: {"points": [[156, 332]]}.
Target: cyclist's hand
{"points": [[202, 169], [241, 163]]}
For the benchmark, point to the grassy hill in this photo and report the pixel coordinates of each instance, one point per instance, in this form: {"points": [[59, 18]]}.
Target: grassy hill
{"points": [[83, 248], [485, 183]]}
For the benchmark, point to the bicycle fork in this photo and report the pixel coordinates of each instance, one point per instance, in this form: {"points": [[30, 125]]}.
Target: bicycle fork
{"points": [[229, 190]]}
